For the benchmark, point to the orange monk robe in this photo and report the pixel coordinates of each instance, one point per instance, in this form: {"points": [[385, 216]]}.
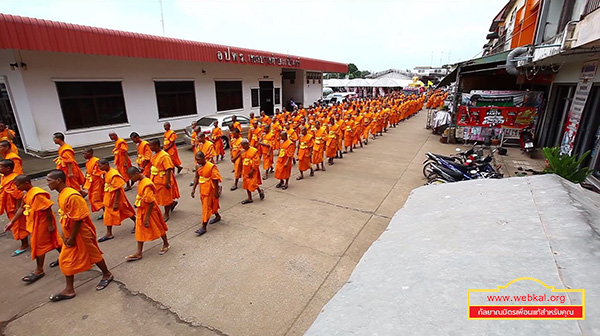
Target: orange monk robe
{"points": [[292, 135], [146, 196], [266, 145], [367, 125], [208, 148], [169, 138], [304, 152], [250, 161], [237, 125], [9, 135], [207, 174], [358, 130], [255, 135], [113, 186], [236, 148], [66, 157], [276, 128], [331, 145], [319, 145], [36, 202], [217, 135], [348, 132], [9, 195], [16, 159], [94, 184], [161, 162], [85, 252], [122, 161], [194, 141], [144, 156], [265, 120], [286, 154], [340, 133]]}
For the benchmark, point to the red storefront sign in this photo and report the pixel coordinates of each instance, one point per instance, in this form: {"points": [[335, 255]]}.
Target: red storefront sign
{"points": [[513, 117]]}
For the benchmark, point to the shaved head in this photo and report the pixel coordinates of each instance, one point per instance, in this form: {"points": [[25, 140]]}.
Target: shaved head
{"points": [[57, 174], [22, 179]]}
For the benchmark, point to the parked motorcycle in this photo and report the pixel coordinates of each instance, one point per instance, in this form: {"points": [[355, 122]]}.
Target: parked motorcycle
{"points": [[526, 141], [444, 171]]}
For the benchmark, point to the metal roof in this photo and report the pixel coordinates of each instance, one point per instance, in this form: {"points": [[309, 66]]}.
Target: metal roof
{"points": [[23, 33]]}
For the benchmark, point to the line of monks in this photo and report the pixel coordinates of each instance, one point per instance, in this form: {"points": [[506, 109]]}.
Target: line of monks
{"points": [[304, 136]]}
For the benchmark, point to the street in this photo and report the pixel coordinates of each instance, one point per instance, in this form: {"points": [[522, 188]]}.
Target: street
{"points": [[267, 268]]}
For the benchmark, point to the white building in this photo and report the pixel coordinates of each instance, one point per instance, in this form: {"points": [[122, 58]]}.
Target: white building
{"points": [[429, 71], [84, 81]]}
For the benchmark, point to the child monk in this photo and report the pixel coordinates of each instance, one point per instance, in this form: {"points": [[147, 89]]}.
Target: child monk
{"points": [[266, 150], [149, 224], [80, 249], [94, 181], [171, 147], [144, 153], [163, 178], [116, 206], [283, 168], [217, 135], [236, 155], [121, 155], [11, 199], [251, 171], [41, 223], [7, 153], [67, 163], [207, 175]]}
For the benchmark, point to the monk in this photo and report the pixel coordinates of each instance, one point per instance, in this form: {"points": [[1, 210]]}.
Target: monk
{"points": [[251, 171], [163, 178], [320, 137], [236, 124], [217, 139], [194, 136], [236, 156], [170, 147], [8, 135], [332, 142], [7, 153], [67, 163], [283, 168], [252, 118], [206, 147], [348, 133], [116, 206], [41, 223], [144, 154], [305, 153], [80, 249], [208, 177], [255, 133], [264, 118], [266, 149], [121, 154], [150, 224], [94, 181], [11, 199]]}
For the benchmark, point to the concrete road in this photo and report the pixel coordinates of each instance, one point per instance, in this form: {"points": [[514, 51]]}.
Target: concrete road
{"points": [[267, 269]]}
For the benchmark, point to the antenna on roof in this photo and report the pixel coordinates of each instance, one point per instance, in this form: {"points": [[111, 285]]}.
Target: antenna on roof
{"points": [[162, 18]]}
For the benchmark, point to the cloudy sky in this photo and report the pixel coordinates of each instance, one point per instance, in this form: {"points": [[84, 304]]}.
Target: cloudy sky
{"points": [[374, 34]]}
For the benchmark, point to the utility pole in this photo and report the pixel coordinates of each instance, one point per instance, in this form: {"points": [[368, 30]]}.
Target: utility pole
{"points": [[162, 18]]}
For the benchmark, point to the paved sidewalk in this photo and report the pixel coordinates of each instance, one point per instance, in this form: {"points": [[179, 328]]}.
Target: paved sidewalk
{"points": [[267, 269]]}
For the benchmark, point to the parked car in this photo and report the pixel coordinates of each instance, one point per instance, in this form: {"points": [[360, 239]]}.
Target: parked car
{"points": [[225, 121]]}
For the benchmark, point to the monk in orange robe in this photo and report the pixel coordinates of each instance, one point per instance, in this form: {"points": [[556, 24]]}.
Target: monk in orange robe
{"points": [[208, 177], [163, 178], [264, 118], [305, 153], [332, 142], [255, 134], [121, 155], [236, 124], [170, 146], [236, 156], [348, 133], [358, 132], [194, 136], [217, 139], [80, 249], [149, 224], [320, 137], [340, 135], [8, 154], [116, 206], [8, 135], [206, 147], [251, 171], [41, 223], [283, 167], [144, 154], [266, 148], [67, 163], [11, 199], [94, 181]]}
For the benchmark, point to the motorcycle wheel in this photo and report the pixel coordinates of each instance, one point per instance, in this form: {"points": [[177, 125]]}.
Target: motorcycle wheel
{"points": [[428, 170], [436, 181]]}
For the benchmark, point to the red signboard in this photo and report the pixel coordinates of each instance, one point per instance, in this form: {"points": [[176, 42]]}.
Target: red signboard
{"points": [[513, 117]]}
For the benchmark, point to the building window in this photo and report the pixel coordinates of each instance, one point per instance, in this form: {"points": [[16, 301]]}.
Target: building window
{"points": [[229, 95], [175, 98], [254, 95], [91, 104], [277, 96]]}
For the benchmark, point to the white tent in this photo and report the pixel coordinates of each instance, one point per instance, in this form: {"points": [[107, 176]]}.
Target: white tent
{"points": [[358, 82], [386, 82], [335, 82]]}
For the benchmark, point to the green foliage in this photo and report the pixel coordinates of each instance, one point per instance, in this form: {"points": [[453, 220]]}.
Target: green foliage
{"points": [[566, 166]]}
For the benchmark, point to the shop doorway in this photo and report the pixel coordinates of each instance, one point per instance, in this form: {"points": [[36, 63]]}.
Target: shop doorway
{"points": [[551, 128], [266, 97], [7, 114]]}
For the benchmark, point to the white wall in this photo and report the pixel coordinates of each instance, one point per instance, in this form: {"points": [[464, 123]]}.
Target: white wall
{"points": [[40, 113], [295, 90], [569, 73], [312, 92]]}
